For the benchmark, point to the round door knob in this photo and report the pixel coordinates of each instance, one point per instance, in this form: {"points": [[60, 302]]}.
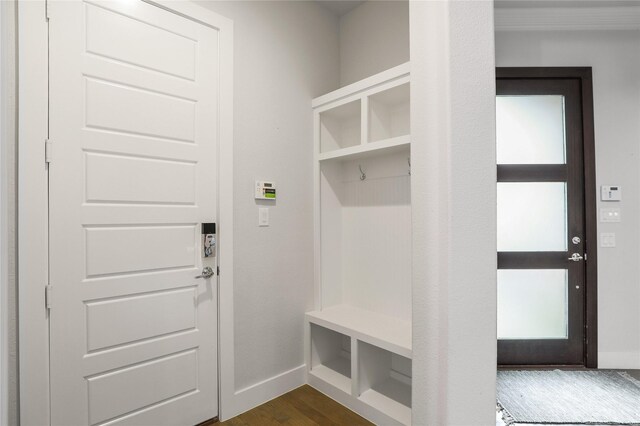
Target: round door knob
{"points": [[207, 272], [576, 257]]}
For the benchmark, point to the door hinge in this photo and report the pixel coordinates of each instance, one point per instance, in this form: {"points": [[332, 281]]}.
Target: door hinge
{"points": [[217, 270], [47, 296], [48, 151], [46, 10]]}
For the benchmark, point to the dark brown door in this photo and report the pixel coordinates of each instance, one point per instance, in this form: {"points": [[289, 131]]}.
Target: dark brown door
{"points": [[544, 238]]}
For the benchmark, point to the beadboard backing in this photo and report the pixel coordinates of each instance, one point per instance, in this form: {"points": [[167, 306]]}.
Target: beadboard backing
{"points": [[366, 235]]}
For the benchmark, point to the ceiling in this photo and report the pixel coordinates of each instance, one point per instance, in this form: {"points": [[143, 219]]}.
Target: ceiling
{"points": [[565, 3], [340, 7]]}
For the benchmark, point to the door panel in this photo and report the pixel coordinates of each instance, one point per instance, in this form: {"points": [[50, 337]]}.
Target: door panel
{"points": [[532, 304], [126, 179], [531, 129], [139, 318], [130, 44], [152, 109], [532, 216], [541, 292], [127, 389], [133, 123], [133, 243]]}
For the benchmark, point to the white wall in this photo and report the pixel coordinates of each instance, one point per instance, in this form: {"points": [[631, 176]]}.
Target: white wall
{"points": [[615, 58], [286, 53], [8, 182], [373, 37], [453, 195]]}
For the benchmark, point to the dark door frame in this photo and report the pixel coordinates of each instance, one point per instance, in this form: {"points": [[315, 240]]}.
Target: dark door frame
{"points": [[584, 76]]}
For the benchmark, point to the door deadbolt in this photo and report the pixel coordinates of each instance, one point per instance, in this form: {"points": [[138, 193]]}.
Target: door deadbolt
{"points": [[576, 240]]}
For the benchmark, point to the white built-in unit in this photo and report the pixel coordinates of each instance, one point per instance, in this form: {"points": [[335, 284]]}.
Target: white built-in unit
{"points": [[358, 338]]}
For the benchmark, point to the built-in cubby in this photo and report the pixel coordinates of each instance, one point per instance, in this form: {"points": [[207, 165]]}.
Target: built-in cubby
{"points": [[389, 113], [384, 381], [340, 127], [331, 357], [363, 248]]}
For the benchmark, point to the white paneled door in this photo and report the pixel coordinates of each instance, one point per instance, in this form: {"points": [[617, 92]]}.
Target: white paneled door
{"points": [[133, 175]]}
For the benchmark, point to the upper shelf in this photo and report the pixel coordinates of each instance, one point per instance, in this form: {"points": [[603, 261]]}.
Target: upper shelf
{"points": [[369, 117], [369, 83], [372, 149]]}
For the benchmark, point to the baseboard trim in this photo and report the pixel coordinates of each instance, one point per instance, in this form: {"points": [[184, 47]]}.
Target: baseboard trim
{"points": [[266, 390], [619, 360]]}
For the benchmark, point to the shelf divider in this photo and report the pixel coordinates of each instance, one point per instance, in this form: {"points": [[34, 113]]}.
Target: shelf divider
{"points": [[388, 406]]}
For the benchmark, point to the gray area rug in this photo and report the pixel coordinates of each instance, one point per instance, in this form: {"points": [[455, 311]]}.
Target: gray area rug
{"points": [[569, 397]]}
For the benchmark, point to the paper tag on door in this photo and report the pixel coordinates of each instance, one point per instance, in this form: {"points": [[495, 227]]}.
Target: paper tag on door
{"points": [[208, 245]]}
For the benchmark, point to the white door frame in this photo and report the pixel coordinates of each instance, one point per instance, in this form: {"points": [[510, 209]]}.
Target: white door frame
{"points": [[7, 134], [33, 206]]}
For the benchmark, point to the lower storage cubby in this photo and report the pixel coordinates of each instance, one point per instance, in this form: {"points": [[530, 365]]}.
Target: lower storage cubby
{"points": [[384, 381], [331, 357]]}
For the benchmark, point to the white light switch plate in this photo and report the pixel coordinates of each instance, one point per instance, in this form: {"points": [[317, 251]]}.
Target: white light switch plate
{"points": [[607, 239], [263, 216], [610, 215]]}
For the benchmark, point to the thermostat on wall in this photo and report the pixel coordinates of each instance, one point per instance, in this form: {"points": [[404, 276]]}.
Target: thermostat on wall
{"points": [[611, 193], [265, 190]]}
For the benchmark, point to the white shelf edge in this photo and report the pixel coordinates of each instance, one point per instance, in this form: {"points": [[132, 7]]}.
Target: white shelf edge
{"points": [[370, 148], [332, 377], [359, 86], [386, 405], [376, 333]]}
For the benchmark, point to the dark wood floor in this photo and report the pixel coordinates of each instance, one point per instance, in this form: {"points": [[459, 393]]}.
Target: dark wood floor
{"points": [[304, 406]]}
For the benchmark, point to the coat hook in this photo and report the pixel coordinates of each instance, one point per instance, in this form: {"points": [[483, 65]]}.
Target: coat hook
{"points": [[363, 176], [409, 162]]}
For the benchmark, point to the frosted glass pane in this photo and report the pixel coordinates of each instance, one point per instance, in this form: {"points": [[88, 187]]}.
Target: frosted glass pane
{"points": [[532, 304], [532, 216], [530, 129]]}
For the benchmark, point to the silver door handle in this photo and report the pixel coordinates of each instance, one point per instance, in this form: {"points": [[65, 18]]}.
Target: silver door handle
{"points": [[576, 257], [207, 272]]}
